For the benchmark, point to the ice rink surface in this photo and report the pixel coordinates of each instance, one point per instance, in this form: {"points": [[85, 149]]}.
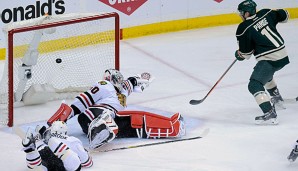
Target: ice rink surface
{"points": [[186, 65]]}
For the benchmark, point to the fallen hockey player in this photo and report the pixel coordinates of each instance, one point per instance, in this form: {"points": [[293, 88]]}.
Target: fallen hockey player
{"points": [[51, 149], [102, 117]]}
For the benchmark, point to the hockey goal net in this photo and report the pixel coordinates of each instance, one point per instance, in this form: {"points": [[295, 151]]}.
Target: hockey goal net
{"points": [[55, 57]]}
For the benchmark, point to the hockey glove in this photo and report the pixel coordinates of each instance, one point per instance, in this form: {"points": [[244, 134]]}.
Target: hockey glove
{"points": [[238, 56], [141, 81]]}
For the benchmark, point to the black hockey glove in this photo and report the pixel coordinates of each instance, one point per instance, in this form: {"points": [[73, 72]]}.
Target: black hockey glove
{"points": [[238, 56]]}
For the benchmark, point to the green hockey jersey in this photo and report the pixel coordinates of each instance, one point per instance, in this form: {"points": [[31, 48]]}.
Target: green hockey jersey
{"points": [[258, 35]]}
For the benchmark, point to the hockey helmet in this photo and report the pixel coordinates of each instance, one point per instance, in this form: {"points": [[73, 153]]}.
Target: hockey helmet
{"points": [[59, 127], [247, 6], [115, 77]]}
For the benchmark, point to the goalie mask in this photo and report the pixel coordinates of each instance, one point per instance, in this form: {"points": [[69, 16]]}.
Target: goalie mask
{"points": [[115, 77], [59, 127]]}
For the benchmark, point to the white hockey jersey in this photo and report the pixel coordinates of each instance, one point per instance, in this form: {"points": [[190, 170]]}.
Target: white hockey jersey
{"points": [[103, 93], [59, 142]]}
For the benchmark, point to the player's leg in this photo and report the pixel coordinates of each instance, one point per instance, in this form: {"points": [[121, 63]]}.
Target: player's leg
{"points": [[263, 73], [70, 159], [50, 160], [276, 97], [125, 130], [151, 125]]}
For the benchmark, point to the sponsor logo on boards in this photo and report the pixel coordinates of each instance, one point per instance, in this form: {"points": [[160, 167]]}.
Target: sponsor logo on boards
{"points": [[32, 11], [126, 6]]}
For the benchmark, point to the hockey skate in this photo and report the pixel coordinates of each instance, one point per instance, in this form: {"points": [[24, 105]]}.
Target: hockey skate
{"points": [[278, 102], [293, 155], [268, 118]]}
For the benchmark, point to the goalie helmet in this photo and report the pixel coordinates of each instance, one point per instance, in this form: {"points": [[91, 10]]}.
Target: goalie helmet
{"points": [[115, 77], [247, 6], [59, 127]]}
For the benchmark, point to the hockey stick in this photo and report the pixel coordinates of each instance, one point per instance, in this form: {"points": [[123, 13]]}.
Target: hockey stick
{"points": [[205, 132], [19, 132], [293, 100], [195, 102]]}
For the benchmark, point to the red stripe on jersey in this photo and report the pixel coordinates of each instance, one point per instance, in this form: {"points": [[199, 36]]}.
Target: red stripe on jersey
{"points": [[85, 99], [62, 148], [129, 89], [89, 115], [88, 163], [35, 163]]}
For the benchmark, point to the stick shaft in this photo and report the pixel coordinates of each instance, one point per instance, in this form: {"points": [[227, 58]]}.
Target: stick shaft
{"points": [[193, 102]]}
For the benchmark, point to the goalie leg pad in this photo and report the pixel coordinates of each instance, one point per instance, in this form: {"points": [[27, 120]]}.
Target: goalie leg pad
{"points": [[102, 130], [62, 114], [155, 126], [88, 116]]}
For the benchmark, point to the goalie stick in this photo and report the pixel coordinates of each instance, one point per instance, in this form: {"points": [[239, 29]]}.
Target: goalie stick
{"points": [[195, 102], [204, 133]]}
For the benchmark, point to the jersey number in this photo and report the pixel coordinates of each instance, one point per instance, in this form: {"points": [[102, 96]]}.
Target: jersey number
{"points": [[94, 90], [275, 39]]}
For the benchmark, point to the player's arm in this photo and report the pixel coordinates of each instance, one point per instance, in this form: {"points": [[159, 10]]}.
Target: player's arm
{"points": [[281, 15], [86, 160], [245, 50], [137, 83]]}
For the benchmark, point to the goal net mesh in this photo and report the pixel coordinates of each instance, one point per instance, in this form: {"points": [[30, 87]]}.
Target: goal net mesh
{"points": [[63, 54]]}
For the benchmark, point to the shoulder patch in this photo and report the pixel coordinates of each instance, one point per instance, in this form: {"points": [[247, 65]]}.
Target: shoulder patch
{"points": [[102, 82]]}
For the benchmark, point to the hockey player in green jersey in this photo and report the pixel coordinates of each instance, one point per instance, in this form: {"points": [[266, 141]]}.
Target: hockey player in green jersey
{"points": [[257, 35]]}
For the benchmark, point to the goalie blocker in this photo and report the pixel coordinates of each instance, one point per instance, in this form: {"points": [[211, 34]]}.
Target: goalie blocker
{"points": [[139, 124]]}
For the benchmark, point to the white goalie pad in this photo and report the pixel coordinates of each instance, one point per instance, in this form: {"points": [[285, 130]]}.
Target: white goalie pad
{"points": [[102, 130]]}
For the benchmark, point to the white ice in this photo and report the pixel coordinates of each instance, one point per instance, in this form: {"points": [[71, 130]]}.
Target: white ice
{"points": [[186, 65]]}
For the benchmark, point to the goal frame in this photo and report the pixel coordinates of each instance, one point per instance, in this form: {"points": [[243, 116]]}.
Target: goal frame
{"points": [[50, 25]]}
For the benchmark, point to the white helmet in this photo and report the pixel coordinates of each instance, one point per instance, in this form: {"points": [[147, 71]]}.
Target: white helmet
{"points": [[115, 77], [59, 127]]}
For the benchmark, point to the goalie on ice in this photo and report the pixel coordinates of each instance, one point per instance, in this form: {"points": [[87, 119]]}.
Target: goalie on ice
{"points": [[102, 117]]}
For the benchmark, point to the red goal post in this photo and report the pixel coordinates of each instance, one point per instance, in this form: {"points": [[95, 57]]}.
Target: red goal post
{"points": [[55, 57]]}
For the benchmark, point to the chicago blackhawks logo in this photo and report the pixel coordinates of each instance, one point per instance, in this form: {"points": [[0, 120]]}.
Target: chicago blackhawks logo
{"points": [[125, 6]]}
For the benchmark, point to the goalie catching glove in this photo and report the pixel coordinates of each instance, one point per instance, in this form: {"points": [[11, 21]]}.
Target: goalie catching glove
{"points": [[138, 83]]}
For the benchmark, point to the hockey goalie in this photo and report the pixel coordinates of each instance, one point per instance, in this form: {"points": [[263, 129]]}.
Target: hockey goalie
{"points": [[102, 115]]}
